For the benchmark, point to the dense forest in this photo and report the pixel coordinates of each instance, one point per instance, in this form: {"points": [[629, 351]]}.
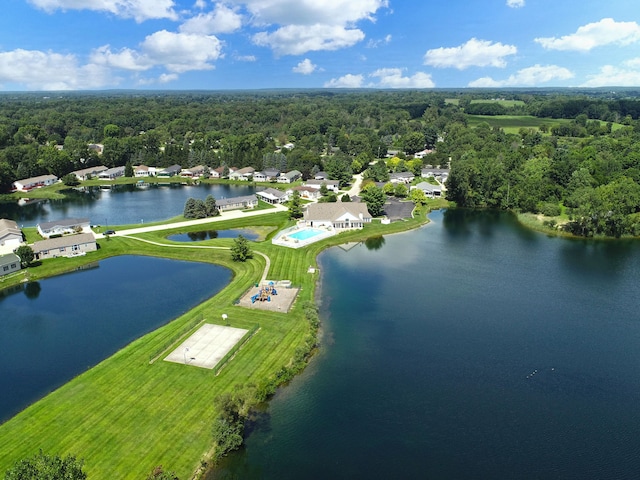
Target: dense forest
{"points": [[580, 162]]}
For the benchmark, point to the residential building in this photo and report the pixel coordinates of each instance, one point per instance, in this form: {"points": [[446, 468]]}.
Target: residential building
{"points": [[67, 246], [141, 171], [111, 173], [332, 185], [272, 195], [247, 201], [308, 193], [243, 174], [401, 177], [170, 171], [64, 227], [289, 177], [194, 172], [271, 174], [9, 263], [10, 236], [339, 215], [430, 190], [89, 172], [29, 184]]}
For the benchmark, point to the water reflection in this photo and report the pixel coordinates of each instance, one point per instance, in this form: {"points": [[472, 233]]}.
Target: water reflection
{"points": [[32, 290], [374, 243]]}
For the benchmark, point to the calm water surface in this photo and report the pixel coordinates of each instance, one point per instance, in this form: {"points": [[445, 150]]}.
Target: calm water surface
{"points": [[53, 330], [211, 234], [121, 205], [470, 348]]}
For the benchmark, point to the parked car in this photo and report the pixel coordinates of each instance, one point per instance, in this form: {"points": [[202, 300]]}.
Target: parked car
{"points": [[109, 232]]}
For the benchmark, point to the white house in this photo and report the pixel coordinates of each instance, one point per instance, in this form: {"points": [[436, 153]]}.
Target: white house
{"points": [[308, 193], [401, 177], [339, 215], [64, 227], [332, 185], [29, 184], [247, 201], [68, 246], [272, 195], [141, 171], [9, 263], [111, 173], [10, 236], [431, 191], [289, 177], [87, 173]]}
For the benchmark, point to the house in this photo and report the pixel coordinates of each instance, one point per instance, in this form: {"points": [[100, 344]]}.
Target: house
{"points": [[440, 174], [339, 215], [422, 153], [9, 263], [10, 236], [29, 184], [401, 177], [141, 171], [308, 193], [111, 173], [259, 177], [217, 172], [64, 227], [96, 147], [332, 185], [194, 172], [272, 195], [289, 177], [272, 174], [68, 246], [170, 171], [321, 176], [243, 174], [431, 191], [247, 201], [90, 172]]}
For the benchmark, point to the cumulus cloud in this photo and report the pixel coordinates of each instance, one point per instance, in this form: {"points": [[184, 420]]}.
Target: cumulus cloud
{"points": [[221, 19], [140, 10], [177, 52], [39, 70], [299, 39], [305, 67], [347, 81], [605, 32], [245, 58], [474, 53], [294, 27], [611, 76], [515, 3], [393, 78], [376, 43], [530, 76]]}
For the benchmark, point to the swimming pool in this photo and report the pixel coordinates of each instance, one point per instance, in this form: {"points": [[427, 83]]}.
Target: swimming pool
{"points": [[306, 233]]}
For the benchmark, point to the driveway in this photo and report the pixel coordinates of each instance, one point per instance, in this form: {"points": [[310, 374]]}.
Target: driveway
{"points": [[397, 210]]}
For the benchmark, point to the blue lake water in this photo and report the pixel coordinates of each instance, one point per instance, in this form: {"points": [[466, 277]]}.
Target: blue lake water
{"points": [[211, 234], [53, 330], [470, 348], [120, 205]]}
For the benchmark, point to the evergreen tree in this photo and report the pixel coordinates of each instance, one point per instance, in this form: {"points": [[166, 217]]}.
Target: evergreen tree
{"points": [[375, 198], [210, 206], [240, 251], [295, 206]]}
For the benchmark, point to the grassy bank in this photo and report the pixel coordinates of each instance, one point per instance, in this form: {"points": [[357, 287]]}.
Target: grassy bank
{"points": [[127, 415]]}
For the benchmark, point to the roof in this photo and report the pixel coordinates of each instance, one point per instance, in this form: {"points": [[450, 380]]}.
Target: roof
{"points": [[320, 182], [66, 241], [272, 193], [335, 211], [40, 178], [84, 171], [401, 174], [9, 226], [8, 259], [428, 186], [235, 200], [67, 222]]}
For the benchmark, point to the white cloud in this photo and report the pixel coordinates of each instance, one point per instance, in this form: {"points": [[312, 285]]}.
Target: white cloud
{"points": [[140, 10], [294, 27], [246, 58], [51, 71], [222, 19], [376, 43], [611, 76], [200, 4], [177, 52], [167, 77], [605, 32], [347, 81], [392, 78], [299, 39], [515, 3], [305, 67], [530, 76], [474, 53]]}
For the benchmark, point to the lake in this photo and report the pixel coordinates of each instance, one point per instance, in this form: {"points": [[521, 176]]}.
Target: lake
{"points": [[470, 348], [119, 205], [55, 329]]}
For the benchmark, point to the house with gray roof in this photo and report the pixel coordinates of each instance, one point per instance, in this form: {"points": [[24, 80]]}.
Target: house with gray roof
{"points": [[430, 190], [89, 172], [401, 177], [10, 236], [9, 263], [64, 227], [273, 195], [67, 246], [29, 184], [289, 177], [170, 171], [333, 185], [111, 173], [339, 215], [247, 201]]}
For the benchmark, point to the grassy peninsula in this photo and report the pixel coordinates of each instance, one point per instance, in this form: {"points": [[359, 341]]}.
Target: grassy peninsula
{"points": [[129, 414]]}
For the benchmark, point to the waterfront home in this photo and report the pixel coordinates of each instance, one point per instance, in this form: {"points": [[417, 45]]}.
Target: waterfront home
{"points": [[89, 172], [339, 215], [141, 171], [247, 201], [259, 177], [9, 263], [194, 172], [289, 177], [170, 171], [332, 185], [29, 184], [272, 195], [217, 172], [440, 174], [67, 246], [272, 174], [401, 177], [10, 236], [243, 174], [308, 193], [431, 191], [111, 173], [64, 227]]}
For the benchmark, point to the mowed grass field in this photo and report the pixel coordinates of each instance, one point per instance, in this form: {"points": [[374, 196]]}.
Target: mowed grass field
{"points": [[513, 123], [127, 415]]}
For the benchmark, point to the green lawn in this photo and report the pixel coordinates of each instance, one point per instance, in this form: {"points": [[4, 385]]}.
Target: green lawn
{"points": [[127, 415], [513, 123]]}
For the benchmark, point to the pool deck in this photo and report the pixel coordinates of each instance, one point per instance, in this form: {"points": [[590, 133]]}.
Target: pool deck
{"points": [[284, 239]]}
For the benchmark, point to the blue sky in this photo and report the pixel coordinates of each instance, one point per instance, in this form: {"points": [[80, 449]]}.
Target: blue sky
{"points": [[246, 44]]}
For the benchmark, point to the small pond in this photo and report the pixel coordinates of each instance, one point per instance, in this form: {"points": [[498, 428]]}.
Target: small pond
{"points": [[213, 234], [55, 329]]}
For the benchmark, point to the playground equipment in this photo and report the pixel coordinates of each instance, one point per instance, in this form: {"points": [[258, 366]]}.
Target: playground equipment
{"points": [[264, 295]]}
